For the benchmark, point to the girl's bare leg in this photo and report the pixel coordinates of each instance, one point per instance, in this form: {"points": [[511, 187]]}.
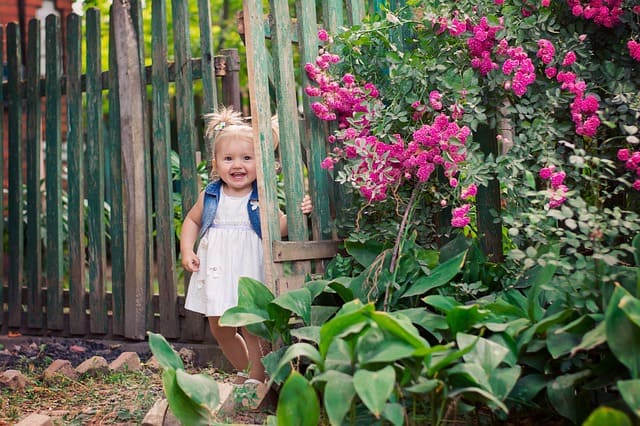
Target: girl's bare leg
{"points": [[232, 344], [257, 348]]}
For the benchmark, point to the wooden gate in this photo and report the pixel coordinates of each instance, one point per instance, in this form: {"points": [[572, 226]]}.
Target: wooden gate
{"points": [[77, 147]]}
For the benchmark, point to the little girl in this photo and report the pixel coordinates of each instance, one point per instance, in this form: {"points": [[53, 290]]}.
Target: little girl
{"points": [[226, 219]]}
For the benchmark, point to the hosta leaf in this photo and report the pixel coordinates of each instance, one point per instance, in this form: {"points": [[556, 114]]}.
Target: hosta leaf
{"points": [[607, 416], [630, 391], [439, 276], [623, 335], [164, 353], [297, 301], [298, 403], [201, 389], [185, 410], [338, 396], [375, 387], [253, 293]]}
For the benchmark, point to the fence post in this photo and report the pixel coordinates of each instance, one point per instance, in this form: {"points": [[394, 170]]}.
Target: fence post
{"points": [[16, 226], [133, 155], [488, 201], [2, 152]]}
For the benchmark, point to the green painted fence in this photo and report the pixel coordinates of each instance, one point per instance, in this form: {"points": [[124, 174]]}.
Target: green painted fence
{"points": [[66, 216]]}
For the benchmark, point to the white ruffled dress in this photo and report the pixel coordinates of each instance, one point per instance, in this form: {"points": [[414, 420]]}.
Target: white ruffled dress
{"points": [[228, 250]]}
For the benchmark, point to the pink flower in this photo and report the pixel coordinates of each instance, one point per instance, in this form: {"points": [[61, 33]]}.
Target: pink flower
{"points": [[545, 172], [569, 59], [469, 192], [636, 185], [557, 179], [624, 154], [327, 163], [459, 217], [545, 3], [550, 72], [453, 182], [634, 49], [323, 35]]}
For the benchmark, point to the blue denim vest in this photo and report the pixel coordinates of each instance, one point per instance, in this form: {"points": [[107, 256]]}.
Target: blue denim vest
{"points": [[211, 197]]}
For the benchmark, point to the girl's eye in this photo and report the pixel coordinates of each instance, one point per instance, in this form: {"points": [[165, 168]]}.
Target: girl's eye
{"points": [[247, 157], [227, 158]]}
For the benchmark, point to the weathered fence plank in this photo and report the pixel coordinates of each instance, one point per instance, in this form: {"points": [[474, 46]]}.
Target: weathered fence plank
{"points": [[53, 178], [116, 228], [15, 200], [185, 122], [165, 230], [95, 177], [33, 252], [2, 153], [75, 180]]}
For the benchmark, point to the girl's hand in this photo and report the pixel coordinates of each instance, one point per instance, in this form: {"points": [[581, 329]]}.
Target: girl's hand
{"points": [[190, 262], [306, 205]]}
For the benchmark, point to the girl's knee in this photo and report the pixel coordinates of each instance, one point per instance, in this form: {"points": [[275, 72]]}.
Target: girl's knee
{"points": [[221, 332]]}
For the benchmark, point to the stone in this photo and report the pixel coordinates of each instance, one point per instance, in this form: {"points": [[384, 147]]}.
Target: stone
{"points": [[59, 368], [188, 356], [160, 415], [127, 361], [93, 366], [35, 419], [14, 380], [152, 363]]}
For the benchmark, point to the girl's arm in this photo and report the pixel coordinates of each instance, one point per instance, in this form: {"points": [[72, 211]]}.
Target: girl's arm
{"points": [[189, 234], [306, 208]]}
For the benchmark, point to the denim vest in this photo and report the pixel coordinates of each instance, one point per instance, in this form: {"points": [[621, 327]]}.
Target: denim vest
{"points": [[211, 198]]}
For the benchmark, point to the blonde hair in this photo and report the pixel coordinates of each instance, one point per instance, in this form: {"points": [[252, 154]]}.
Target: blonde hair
{"points": [[227, 123]]}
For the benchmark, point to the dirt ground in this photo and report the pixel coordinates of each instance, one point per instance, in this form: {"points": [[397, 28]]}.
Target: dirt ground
{"points": [[115, 398]]}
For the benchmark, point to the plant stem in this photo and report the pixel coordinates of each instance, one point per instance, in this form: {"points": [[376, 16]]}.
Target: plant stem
{"points": [[397, 246]]}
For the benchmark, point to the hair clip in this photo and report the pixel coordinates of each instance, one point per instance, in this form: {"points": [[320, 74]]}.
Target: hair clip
{"points": [[220, 126]]}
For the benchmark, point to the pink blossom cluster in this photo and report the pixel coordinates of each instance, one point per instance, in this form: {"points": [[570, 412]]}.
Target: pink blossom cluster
{"points": [[557, 190], [460, 216], [340, 99], [584, 108], [519, 64], [603, 12], [631, 162], [634, 49], [481, 44]]}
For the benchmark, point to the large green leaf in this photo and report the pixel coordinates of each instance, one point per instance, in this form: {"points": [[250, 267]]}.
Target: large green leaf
{"points": [[400, 326], [321, 314], [253, 293], [364, 253], [164, 353], [241, 316], [185, 410], [591, 339], [486, 395], [201, 389], [631, 306], [630, 391], [339, 356], [296, 351], [377, 346], [342, 287], [297, 301], [608, 416], [310, 334], [560, 344], [562, 395], [338, 396], [395, 413], [462, 318], [484, 352], [298, 403], [375, 387], [441, 275], [623, 335], [350, 319], [503, 380], [528, 387], [442, 303]]}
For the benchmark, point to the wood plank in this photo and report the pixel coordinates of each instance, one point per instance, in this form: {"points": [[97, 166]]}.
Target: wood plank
{"points": [[332, 15], [15, 198], [291, 282], [116, 225], [75, 183], [488, 201], [165, 230], [95, 176], [53, 162], [314, 136], [133, 156], [284, 251], [33, 252], [207, 55], [2, 156], [258, 71], [230, 78], [186, 134], [355, 11]]}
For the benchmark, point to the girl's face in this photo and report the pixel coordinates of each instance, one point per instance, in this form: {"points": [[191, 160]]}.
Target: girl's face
{"points": [[235, 162]]}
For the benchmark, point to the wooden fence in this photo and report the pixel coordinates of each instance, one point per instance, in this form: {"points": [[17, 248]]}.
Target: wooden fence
{"points": [[67, 216]]}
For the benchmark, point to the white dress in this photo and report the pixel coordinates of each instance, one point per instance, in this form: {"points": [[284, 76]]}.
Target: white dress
{"points": [[228, 250]]}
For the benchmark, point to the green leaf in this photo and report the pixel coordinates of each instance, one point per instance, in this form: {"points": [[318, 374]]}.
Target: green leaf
{"points": [[561, 393], [604, 415], [395, 413], [376, 346], [201, 389], [482, 393], [338, 396], [350, 318], [631, 306], [321, 314], [462, 318], [503, 380], [630, 391], [297, 350], [483, 351], [623, 336], [241, 316], [528, 387], [164, 353], [311, 333], [298, 403], [253, 294], [375, 387], [185, 410], [442, 303], [297, 301], [400, 326], [591, 339], [364, 253], [440, 276], [560, 344]]}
